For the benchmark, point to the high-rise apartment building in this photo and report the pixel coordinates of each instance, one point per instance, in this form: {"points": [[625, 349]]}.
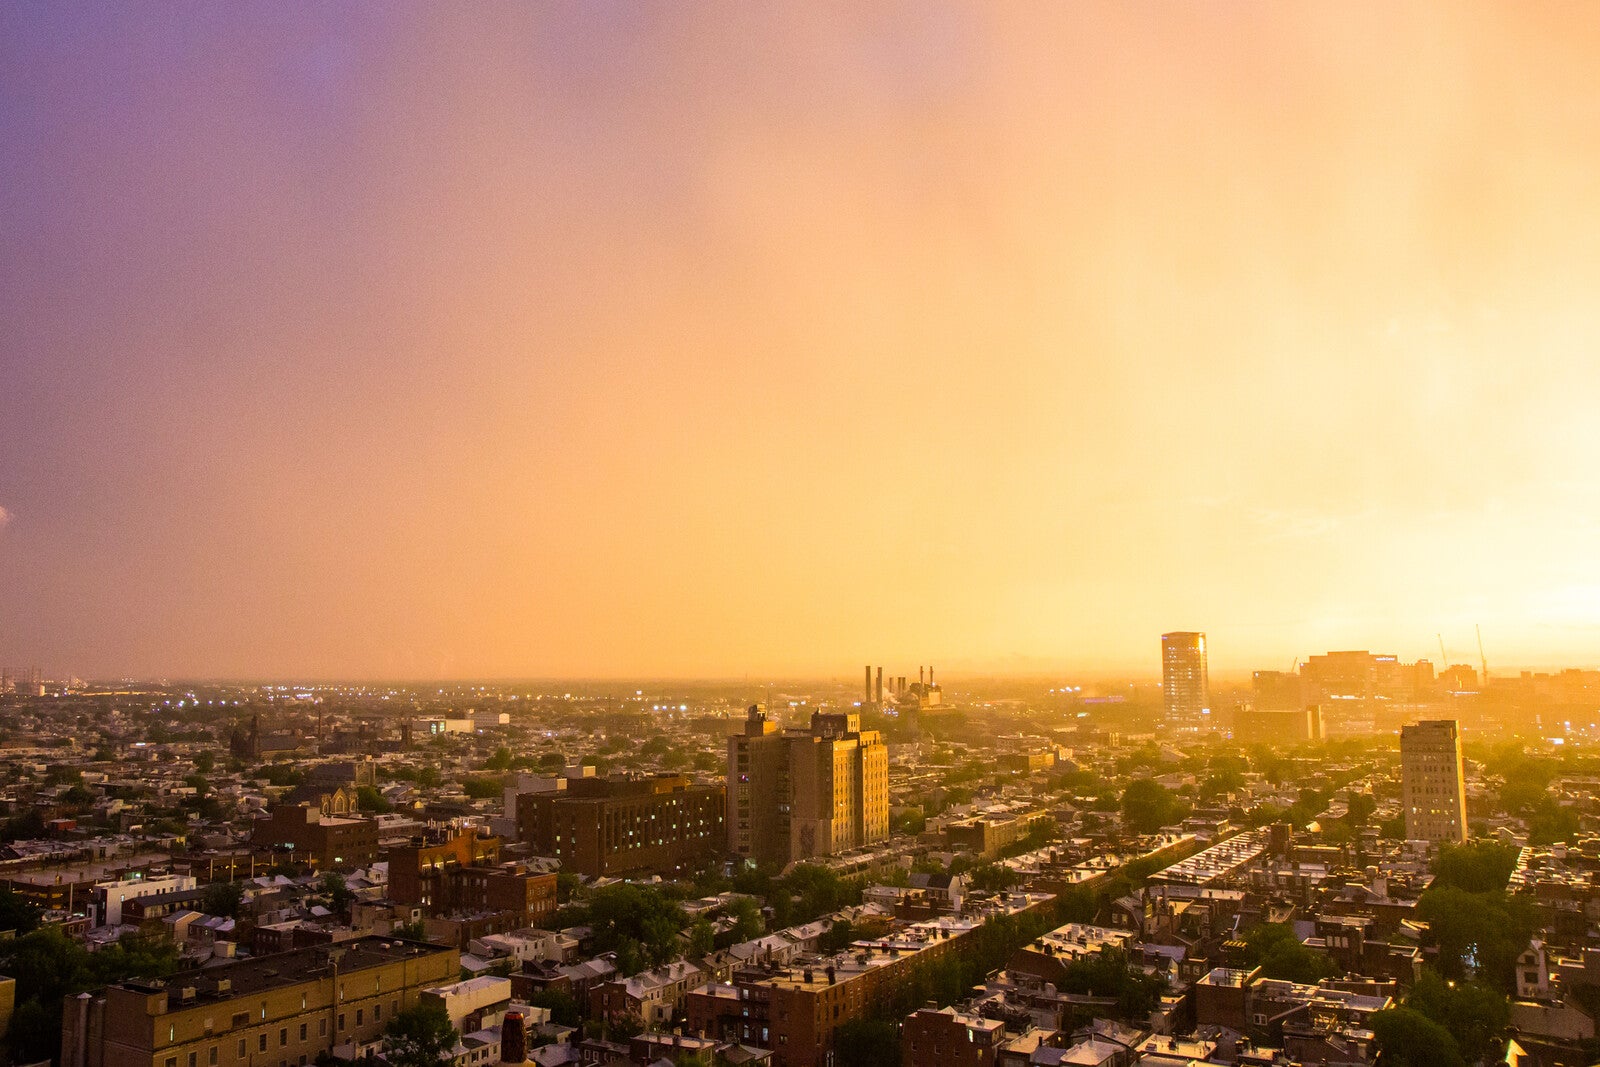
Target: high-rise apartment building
{"points": [[795, 794], [1185, 682], [1433, 781]]}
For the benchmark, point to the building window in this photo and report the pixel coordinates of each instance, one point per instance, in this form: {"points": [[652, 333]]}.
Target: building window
{"points": [[302, 1031], [262, 1042], [341, 1020], [241, 1048], [211, 1057]]}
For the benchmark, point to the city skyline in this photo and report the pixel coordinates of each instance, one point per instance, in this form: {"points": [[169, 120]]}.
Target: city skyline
{"points": [[369, 343]]}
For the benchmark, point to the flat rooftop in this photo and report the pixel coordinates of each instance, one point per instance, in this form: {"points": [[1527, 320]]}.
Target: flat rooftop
{"points": [[260, 973]]}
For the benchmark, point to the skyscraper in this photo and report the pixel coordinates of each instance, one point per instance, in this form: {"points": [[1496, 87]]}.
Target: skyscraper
{"points": [[794, 794], [1185, 682], [1433, 781]]}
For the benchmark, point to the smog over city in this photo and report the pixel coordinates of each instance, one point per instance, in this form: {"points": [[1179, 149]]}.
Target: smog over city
{"points": [[806, 534]]}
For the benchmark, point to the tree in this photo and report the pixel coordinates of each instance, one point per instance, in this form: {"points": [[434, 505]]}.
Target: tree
{"points": [[340, 896], [837, 937], [369, 799], [1474, 1013], [412, 931], [747, 921], [1481, 933], [17, 913], [566, 882], [482, 788], [222, 898], [1283, 955], [1481, 867], [35, 1032], [1148, 805], [563, 1008], [1551, 823], [420, 1036], [78, 796], [992, 877], [48, 966], [1110, 973], [1407, 1038], [702, 938], [1361, 806], [639, 923], [866, 1043], [910, 821]]}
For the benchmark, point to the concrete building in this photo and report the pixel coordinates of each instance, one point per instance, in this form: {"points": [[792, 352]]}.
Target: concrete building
{"points": [[111, 895], [306, 835], [464, 876], [1433, 781], [1277, 725], [944, 1037], [473, 1003], [1185, 678], [794, 1010], [796, 794], [290, 1007], [600, 827]]}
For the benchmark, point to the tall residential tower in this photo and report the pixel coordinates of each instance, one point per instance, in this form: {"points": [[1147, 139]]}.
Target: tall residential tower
{"points": [[1185, 683], [794, 794], [1433, 781]]}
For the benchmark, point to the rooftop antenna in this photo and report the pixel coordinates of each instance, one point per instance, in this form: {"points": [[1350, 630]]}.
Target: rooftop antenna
{"points": [[1482, 659]]}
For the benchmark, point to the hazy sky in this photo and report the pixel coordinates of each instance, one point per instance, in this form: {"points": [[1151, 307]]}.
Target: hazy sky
{"points": [[683, 339]]}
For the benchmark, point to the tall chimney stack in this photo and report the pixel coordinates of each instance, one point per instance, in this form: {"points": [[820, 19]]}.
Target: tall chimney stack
{"points": [[930, 676], [919, 675], [868, 696], [880, 687], [513, 1039]]}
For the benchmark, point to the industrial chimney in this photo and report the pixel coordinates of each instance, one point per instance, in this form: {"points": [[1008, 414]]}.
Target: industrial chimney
{"points": [[513, 1039]]}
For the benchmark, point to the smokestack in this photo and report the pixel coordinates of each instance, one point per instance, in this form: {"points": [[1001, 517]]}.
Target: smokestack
{"points": [[880, 687], [513, 1039], [919, 675], [900, 690], [930, 676], [868, 697]]}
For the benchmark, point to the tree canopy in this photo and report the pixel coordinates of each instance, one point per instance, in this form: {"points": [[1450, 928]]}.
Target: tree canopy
{"points": [[1407, 1038], [420, 1036]]}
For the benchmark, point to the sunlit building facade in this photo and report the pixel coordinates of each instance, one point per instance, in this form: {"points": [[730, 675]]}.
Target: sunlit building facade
{"points": [[1185, 681], [796, 794], [1433, 781]]}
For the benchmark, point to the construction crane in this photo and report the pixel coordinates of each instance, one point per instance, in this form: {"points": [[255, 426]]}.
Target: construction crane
{"points": [[1444, 657], [1483, 660]]}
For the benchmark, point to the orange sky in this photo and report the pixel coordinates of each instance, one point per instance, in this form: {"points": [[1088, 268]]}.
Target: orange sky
{"points": [[706, 339]]}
